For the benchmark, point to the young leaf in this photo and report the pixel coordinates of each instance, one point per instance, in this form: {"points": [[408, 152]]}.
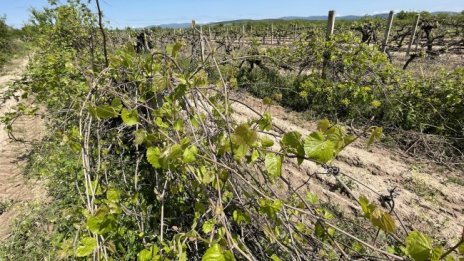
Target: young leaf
{"points": [[266, 142], [190, 154], [208, 226], [267, 101], [436, 253], [216, 253], [178, 125], [113, 194], [243, 138], [129, 117], [312, 198], [366, 206], [240, 217], [173, 49], [273, 164], [418, 246], [140, 136], [101, 222], [254, 156], [383, 221], [266, 122], [292, 141], [319, 149], [323, 125], [149, 254], [375, 135], [86, 246], [105, 112], [153, 156], [116, 104], [244, 135]]}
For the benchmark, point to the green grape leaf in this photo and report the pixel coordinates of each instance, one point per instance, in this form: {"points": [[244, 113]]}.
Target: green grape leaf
{"points": [[173, 49], [216, 253], [208, 226], [179, 91], [336, 135], [243, 138], [292, 141], [270, 207], [376, 134], [190, 154], [113, 194], [319, 230], [418, 246], [266, 142], [436, 253], [265, 123], [273, 164], [319, 149], [254, 156], [153, 156], [267, 101], [240, 152], [240, 217], [149, 254], [116, 104], [383, 221], [140, 136], [312, 198], [323, 125], [129, 117], [86, 246], [366, 206], [101, 222], [244, 135], [179, 125], [104, 112], [173, 152]]}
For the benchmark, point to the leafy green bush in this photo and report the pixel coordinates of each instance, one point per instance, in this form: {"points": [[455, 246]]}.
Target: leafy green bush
{"points": [[5, 46], [360, 83]]}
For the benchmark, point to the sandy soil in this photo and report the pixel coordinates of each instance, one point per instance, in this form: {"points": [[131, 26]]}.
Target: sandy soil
{"points": [[426, 200], [14, 187]]}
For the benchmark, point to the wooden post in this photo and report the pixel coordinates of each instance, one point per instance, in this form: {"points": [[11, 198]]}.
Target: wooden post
{"points": [[294, 31], [330, 24], [387, 32], [202, 45], [416, 24], [243, 33], [272, 34], [418, 41], [330, 30]]}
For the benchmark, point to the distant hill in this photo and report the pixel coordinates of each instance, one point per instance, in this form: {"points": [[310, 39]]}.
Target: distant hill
{"points": [[174, 25], [289, 18]]}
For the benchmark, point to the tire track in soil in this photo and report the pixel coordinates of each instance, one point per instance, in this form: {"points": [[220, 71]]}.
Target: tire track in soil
{"points": [[14, 187]]}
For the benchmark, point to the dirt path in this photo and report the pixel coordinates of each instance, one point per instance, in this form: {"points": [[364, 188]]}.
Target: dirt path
{"points": [[427, 201], [15, 190]]}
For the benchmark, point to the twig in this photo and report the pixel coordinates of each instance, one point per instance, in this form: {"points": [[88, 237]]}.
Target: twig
{"points": [[102, 30]]}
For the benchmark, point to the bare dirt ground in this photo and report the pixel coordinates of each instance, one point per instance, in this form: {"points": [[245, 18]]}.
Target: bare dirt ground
{"points": [[15, 190], [427, 201]]}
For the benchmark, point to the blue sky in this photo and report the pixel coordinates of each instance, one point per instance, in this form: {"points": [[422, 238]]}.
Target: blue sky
{"points": [[138, 13]]}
